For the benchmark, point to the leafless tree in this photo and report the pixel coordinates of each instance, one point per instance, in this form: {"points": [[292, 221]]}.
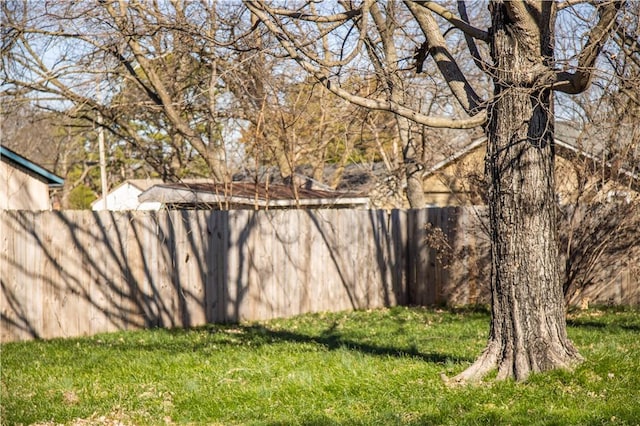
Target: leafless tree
{"points": [[516, 52], [302, 124], [153, 72]]}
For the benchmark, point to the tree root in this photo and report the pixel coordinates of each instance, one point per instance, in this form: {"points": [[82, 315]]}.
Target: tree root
{"points": [[509, 365], [487, 362]]}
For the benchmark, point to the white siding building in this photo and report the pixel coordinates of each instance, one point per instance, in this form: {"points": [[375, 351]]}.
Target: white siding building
{"points": [[125, 196]]}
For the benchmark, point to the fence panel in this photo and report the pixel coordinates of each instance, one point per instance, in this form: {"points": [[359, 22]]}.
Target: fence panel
{"points": [[73, 273], [79, 273]]}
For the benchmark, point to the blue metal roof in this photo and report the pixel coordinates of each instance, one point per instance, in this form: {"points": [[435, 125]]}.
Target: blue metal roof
{"points": [[51, 178]]}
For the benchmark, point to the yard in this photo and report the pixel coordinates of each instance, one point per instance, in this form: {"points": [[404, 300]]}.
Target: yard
{"points": [[364, 367]]}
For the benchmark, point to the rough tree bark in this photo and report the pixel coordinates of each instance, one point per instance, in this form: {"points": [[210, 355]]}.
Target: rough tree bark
{"points": [[528, 329]]}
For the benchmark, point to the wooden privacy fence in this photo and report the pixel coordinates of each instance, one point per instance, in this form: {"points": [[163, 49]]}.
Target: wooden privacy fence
{"points": [[72, 273], [79, 273]]}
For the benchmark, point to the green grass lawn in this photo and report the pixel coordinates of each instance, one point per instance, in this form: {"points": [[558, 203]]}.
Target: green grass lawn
{"points": [[374, 367]]}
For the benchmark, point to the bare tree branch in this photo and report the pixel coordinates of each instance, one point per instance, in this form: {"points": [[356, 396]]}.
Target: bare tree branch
{"points": [[411, 114], [338, 17], [322, 76], [569, 3], [437, 47], [301, 45], [462, 24], [579, 81], [471, 43]]}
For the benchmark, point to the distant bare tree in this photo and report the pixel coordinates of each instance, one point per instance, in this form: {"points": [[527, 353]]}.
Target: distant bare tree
{"points": [[600, 229], [301, 123], [153, 72], [54, 142]]}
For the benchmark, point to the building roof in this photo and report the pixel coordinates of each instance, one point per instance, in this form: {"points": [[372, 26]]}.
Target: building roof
{"points": [[566, 137], [18, 160], [142, 184], [591, 148], [249, 194], [452, 158]]}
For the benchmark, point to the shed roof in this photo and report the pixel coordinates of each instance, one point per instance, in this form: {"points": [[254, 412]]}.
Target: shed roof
{"points": [[18, 160], [250, 195]]}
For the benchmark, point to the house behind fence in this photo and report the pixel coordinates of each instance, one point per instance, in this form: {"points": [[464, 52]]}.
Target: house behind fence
{"points": [[74, 273]]}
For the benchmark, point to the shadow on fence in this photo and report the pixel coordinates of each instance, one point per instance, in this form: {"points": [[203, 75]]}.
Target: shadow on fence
{"points": [[80, 273]]}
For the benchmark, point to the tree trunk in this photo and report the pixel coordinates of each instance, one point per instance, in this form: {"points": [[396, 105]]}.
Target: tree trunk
{"points": [[528, 327], [412, 167]]}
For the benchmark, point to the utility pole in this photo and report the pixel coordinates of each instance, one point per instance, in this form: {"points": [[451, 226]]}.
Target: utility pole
{"points": [[103, 160]]}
